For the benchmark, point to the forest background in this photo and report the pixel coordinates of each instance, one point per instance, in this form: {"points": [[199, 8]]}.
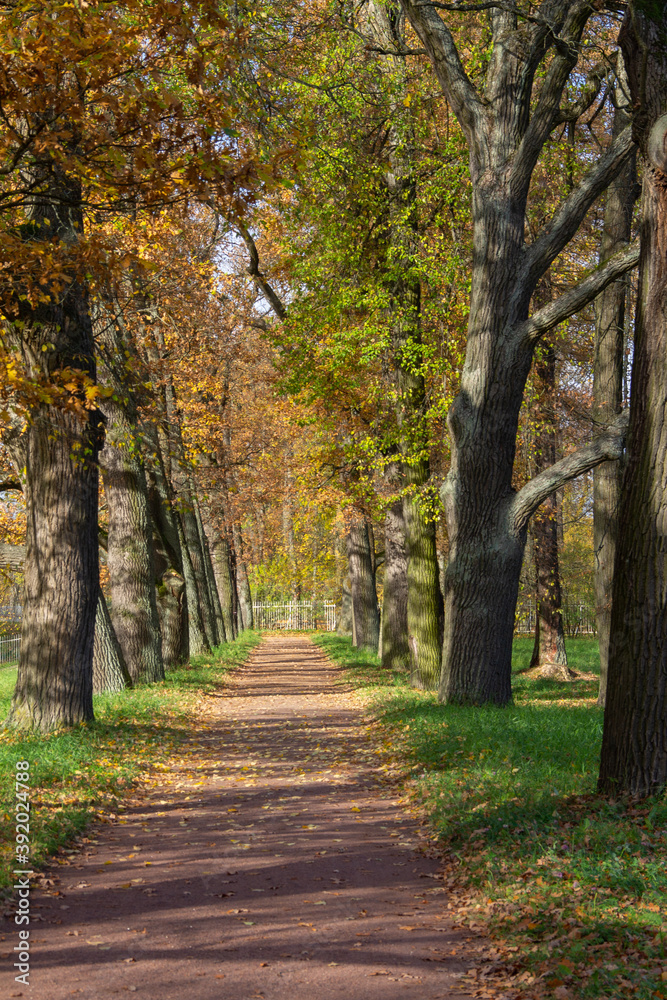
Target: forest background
{"points": [[339, 301]]}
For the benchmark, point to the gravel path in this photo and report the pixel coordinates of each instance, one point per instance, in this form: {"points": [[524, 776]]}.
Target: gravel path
{"points": [[272, 865]]}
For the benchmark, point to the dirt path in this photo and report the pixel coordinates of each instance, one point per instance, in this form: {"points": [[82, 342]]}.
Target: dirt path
{"points": [[273, 867]]}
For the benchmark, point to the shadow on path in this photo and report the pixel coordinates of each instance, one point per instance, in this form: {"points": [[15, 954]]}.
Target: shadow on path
{"points": [[271, 865]]}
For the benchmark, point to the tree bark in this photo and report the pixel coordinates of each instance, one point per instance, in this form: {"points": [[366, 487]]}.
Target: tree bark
{"points": [[549, 654], [173, 607], [221, 559], [173, 617], [54, 686], [365, 613], [211, 581], [634, 743], [110, 673], [130, 555], [244, 595], [608, 377], [395, 649], [344, 621]]}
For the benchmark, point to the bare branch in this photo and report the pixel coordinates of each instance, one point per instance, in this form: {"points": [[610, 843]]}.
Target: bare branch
{"points": [[569, 216], [260, 280], [456, 85], [576, 298], [589, 94], [607, 447], [566, 42]]}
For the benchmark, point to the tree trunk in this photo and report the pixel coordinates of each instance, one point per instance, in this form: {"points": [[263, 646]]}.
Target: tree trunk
{"points": [[344, 622], [221, 559], [169, 572], [197, 634], [385, 25], [110, 673], [209, 572], [245, 614], [194, 571], [365, 614], [54, 686], [549, 654], [608, 378], [130, 555], [395, 649], [424, 598], [172, 611], [634, 743]]}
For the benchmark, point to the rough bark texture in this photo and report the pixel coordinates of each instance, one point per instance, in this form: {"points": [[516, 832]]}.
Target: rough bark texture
{"points": [[365, 612], [130, 555], [608, 378], [395, 649], [54, 686], [506, 126], [634, 744], [173, 615], [245, 615], [198, 640], [110, 673], [344, 618], [169, 573], [209, 572], [221, 558], [424, 598], [549, 654]]}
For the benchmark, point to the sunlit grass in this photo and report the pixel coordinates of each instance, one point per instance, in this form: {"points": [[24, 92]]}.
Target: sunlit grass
{"points": [[575, 881], [79, 773]]}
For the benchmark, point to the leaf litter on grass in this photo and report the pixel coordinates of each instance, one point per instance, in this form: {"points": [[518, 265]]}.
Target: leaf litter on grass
{"points": [[570, 886]]}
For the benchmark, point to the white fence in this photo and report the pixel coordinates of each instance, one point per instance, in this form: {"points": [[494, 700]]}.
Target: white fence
{"points": [[10, 649], [295, 616], [578, 619]]}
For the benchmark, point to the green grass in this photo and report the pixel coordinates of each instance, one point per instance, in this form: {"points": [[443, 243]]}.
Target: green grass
{"points": [[572, 882], [82, 773], [582, 654]]}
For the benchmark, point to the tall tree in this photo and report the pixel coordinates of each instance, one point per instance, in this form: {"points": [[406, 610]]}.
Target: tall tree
{"points": [[634, 743], [395, 648], [549, 654], [507, 116], [365, 612], [610, 320], [130, 553], [55, 685], [384, 25]]}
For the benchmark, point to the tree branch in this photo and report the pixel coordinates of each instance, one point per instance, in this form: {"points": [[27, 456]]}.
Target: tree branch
{"points": [[588, 95], [576, 298], [568, 217], [456, 85], [566, 42], [253, 270], [605, 448], [11, 484]]}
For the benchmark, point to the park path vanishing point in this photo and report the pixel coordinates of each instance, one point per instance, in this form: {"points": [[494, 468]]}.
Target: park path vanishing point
{"points": [[277, 866]]}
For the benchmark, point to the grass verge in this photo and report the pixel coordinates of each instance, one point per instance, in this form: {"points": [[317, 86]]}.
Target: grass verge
{"points": [[80, 774], [569, 886]]}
